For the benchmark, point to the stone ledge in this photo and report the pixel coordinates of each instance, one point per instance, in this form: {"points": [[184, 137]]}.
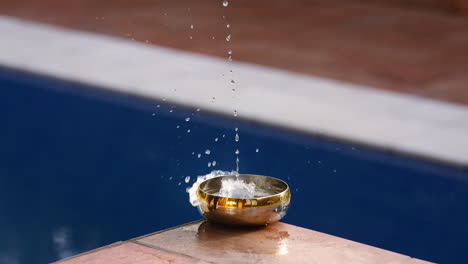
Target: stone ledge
{"points": [[202, 242]]}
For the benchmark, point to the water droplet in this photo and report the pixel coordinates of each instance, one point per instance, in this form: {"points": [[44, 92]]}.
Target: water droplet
{"points": [[237, 137], [153, 114], [191, 26], [334, 171], [224, 135], [187, 179], [178, 126], [230, 71], [216, 139], [188, 131], [193, 153], [164, 99], [257, 150], [228, 38], [209, 164], [237, 152], [198, 109], [230, 58], [207, 152], [213, 163], [229, 52], [233, 90], [190, 37], [170, 178], [187, 119], [233, 82], [170, 111], [225, 3], [235, 114], [179, 183], [228, 25], [158, 106], [236, 129], [199, 155]]}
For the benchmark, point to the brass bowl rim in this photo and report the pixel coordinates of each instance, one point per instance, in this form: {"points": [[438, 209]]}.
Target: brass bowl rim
{"points": [[262, 201]]}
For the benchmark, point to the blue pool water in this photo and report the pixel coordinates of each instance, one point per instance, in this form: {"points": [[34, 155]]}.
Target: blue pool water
{"points": [[81, 168]]}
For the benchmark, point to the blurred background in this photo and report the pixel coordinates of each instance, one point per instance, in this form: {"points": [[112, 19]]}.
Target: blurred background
{"points": [[82, 167]]}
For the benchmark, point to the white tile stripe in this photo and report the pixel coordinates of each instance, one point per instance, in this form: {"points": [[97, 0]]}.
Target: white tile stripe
{"points": [[393, 121]]}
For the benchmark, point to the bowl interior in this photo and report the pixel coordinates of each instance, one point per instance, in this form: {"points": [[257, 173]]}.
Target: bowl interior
{"points": [[264, 186]]}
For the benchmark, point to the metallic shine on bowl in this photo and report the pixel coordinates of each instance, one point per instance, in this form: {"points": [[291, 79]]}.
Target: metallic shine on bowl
{"points": [[258, 211]]}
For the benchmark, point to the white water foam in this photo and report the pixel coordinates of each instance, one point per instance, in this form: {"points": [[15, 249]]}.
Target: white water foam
{"points": [[236, 189], [192, 191]]}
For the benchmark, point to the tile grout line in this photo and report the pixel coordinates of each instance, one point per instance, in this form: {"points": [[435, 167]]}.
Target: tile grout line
{"points": [[170, 251], [164, 230]]}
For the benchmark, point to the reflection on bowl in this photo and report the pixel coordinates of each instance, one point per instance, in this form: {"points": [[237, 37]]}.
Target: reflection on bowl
{"points": [[265, 209]]}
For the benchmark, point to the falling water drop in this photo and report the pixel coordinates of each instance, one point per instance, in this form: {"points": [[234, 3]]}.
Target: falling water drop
{"points": [[233, 82], [213, 163], [170, 111], [237, 152], [158, 106], [191, 26], [198, 109], [235, 114], [229, 52], [207, 152], [209, 164], [188, 131], [190, 37], [228, 38], [225, 3], [236, 129], [233, 90], [170, 178], [257, 150], [187, 119], [230, 58], [228, 25], [199, 155], [236, 138], [187, 179], [216, 139], [178, 126]]}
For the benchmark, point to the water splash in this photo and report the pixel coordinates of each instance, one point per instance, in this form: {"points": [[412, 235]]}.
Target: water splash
{"points": [[192, 191], [236, 189]]}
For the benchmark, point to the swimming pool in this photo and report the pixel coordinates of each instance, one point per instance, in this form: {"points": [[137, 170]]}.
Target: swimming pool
{"points": [[81, 168]]}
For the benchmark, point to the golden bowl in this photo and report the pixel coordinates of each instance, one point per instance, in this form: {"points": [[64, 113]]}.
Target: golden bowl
{"points": [[260, 210]]}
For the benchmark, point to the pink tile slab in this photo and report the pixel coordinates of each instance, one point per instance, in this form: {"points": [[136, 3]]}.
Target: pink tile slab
{"points": [[129, 253], [278, 243]]}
